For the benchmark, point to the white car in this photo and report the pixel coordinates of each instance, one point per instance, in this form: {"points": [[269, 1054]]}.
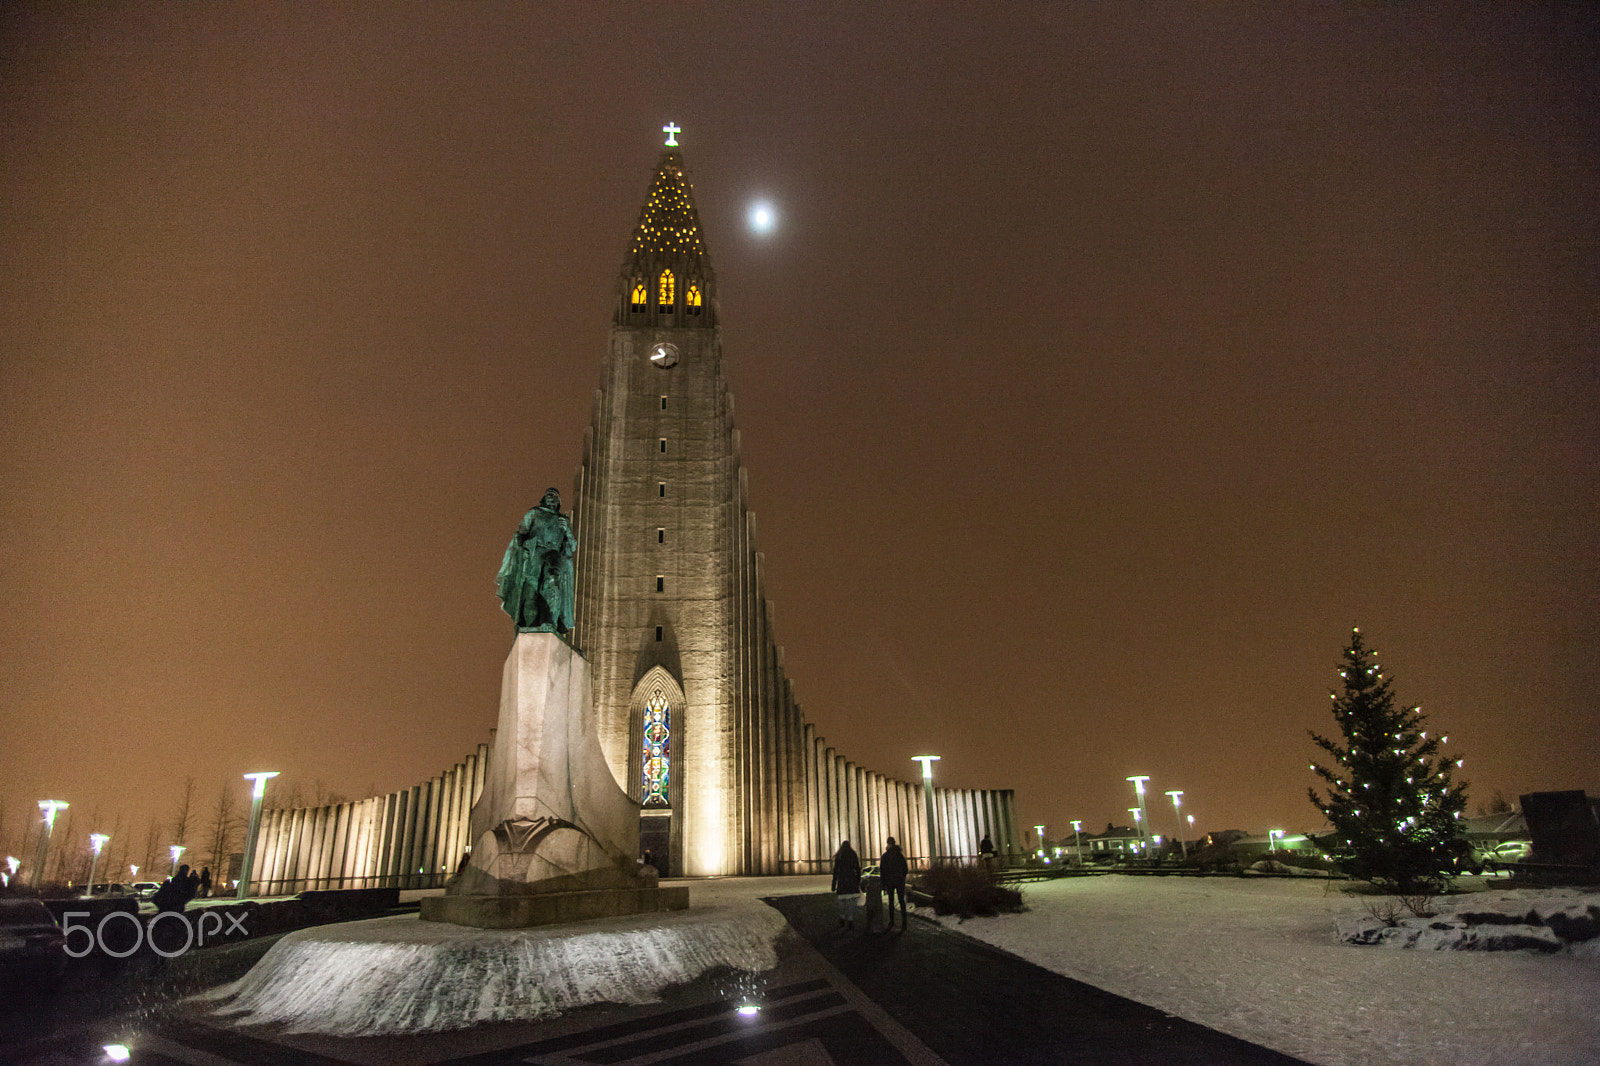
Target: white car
{"points": [[1510, 852]]}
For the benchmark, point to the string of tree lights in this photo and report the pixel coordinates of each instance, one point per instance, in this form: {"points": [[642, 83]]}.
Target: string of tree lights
{"points": [[1393, 806]]}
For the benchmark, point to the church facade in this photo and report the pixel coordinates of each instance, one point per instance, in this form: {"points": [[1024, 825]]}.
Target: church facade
{"points": [[698, 719]]}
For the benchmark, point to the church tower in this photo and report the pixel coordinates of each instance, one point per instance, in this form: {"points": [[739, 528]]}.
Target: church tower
{"points": [[697, 717]]}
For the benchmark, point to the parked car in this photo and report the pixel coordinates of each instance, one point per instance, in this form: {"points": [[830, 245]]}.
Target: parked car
{"points": [[113, 888], [145, 889], [33, 950], [1511, 851]]}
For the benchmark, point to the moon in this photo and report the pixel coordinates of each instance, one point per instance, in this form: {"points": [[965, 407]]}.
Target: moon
{"points": [[762, 217]]}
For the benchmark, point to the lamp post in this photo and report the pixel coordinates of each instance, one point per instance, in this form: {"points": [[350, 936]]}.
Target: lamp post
{"points": [[1274, 836], [133, 873], [1077, 840], [175, 850], [12, 862], [48, 808], [927, 762], [1138, 815], [1038, 832], [260, 778], [1138, 787], [1177, 796], [96, 841]]}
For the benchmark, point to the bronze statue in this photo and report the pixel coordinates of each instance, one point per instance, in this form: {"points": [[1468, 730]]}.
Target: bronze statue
{"points": [[535, 580]]}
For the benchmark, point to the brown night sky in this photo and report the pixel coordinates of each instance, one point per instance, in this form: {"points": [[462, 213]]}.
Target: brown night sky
{"points": [[1107, 364]]}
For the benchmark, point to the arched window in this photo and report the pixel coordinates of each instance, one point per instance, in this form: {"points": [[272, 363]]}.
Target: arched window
{"points": [[691, 300], [657, 742], [668, 291], [641, 297]]}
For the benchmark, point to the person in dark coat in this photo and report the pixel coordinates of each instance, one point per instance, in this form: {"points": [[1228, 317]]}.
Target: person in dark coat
{"points": [[205, 883], [892, 875], [986, 852], [174, 893], [846, 883]]}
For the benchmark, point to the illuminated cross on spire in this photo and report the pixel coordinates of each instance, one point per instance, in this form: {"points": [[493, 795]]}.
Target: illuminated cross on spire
{"points": [[672, 129]]}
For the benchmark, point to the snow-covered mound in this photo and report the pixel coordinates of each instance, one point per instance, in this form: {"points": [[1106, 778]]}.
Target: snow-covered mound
{"points": [[405, 975], [1548, 920]]}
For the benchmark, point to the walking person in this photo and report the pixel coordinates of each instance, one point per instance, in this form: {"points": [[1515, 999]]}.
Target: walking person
{"points": [[846, 883], [986, 852], [892, 876], [205, 882]]}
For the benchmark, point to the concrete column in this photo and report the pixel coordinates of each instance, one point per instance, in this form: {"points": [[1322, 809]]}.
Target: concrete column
{"points": [[385, 838], [812, 792], [428, 852], [944, 838], [408, 846], [449, 835], [266, 851]]}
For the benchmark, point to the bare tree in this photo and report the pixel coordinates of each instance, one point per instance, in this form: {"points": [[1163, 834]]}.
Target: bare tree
{"points": [[61, 862], [152, 855], [183, 815], [114, 861], [284, 799], [324, 795], [226, 821]]}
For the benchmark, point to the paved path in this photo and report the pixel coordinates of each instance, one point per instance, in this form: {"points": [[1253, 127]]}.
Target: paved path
{"points": [[975, 1005]]}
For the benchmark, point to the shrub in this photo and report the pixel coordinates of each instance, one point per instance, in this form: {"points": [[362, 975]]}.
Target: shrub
{"points": [[968, 891]]}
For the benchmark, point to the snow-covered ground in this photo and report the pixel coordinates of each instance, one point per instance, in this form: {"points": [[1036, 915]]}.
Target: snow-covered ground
{"points": [[1260, 959], [1256, 958]]}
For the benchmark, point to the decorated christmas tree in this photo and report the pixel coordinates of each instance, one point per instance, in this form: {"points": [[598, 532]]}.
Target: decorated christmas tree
{"points": [[1392, 804]]}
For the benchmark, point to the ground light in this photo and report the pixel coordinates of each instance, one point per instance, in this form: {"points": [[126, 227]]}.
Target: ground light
{"points": [[258, 792], [749, 1010], [1138, 787], [48, 808], [96, 841], [927, 762], [1177, 797], [117, 1052]]}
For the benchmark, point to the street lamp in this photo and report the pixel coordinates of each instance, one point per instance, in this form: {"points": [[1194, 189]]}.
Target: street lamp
{"points": [[96, 841], [48, 808], [133, 873], [1077, 840], [260, 778], [1138, 787], [1138, 814], [175, 850], [1274, 836], [1177, 796], [1038, 832]]}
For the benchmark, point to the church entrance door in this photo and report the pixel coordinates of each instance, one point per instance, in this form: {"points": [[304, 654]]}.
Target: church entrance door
{"points": [[655, 838]]}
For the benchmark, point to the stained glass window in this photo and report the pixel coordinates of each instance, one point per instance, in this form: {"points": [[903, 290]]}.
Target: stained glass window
{"points": [[657, 751], [692, 300], [641, 297], [668, 291]]}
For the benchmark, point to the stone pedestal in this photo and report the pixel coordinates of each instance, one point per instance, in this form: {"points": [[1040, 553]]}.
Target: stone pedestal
{"points": [[551, 820]]}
